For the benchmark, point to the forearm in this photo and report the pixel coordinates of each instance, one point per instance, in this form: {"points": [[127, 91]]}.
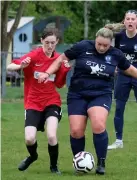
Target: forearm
{"points": [[13, 67], [131, 71], [56, 64]]}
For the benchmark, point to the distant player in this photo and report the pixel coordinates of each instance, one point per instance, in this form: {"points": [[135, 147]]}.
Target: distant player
{"points": [[42, 101], [90, 91], [126, 41]]}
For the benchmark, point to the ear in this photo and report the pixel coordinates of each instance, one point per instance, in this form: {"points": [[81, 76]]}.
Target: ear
{"points": [[41, 40], [57, 41]]}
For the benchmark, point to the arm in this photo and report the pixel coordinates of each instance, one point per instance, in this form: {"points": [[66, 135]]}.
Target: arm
{"points": [[131, 71], [13, 67], [69, 54], [53, 68], [61, 74]]}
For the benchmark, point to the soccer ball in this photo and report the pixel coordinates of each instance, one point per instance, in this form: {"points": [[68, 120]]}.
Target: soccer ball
{"points": [[83, 162]]}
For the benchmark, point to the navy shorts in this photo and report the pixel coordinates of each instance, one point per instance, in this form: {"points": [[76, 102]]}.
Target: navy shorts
{"points": [[78, 105], [123, 86], [37, 118]]}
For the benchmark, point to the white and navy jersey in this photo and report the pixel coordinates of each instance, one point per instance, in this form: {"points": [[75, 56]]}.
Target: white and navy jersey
{"points": [[128, 46], [94, 72]]}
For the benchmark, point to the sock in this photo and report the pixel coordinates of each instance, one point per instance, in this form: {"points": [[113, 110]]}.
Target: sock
{"points": [[101, 143], [119, 118], [53, 154], [77, 145], [32, 150]]}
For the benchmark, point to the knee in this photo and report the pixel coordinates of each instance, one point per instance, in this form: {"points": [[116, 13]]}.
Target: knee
{"points": [[52, 139], [77, 133], [30, 140], [98, 127]]}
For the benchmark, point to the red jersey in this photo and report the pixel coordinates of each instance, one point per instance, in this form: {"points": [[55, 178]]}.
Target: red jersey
{"points": [[39, 95]]}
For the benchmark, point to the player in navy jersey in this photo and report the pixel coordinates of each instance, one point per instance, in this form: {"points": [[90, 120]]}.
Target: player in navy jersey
{"points": [[126, 41], [90, 91]]}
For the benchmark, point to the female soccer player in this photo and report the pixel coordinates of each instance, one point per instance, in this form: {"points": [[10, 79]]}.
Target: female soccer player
{"points": [[42, 101], [126, 41], [90, 91]]}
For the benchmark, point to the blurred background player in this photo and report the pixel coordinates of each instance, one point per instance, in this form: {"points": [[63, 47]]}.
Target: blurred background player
{"points": [[90, 91], [42, 102], [126, 41]]}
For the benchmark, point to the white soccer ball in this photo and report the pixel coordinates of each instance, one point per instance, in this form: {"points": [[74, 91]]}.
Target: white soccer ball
{"points": [[83, 162]]}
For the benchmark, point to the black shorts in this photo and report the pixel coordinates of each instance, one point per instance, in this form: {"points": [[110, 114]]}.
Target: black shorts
{"points": [[38, 118]]}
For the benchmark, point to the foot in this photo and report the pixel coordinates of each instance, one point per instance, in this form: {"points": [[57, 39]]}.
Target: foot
{"points": [[55, 170], [26, 163], [116, 144], [100, 167]]}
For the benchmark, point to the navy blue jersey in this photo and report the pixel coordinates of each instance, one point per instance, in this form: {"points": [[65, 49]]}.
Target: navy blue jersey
{"points": [[94, 72], [128, 46]]}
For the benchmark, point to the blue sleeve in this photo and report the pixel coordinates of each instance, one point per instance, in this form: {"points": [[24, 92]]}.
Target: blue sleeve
{"points": [[123, 64], [117, 40], [75, 50]]}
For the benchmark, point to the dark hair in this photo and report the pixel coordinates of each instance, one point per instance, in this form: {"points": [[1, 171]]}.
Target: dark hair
{"points": [[50, 32]]}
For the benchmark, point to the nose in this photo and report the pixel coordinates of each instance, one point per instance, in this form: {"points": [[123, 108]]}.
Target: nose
{"points": [[50, 45], [102, 48]]}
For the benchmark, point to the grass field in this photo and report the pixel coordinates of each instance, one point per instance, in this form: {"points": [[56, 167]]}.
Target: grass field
{"points": [[121, 164]]}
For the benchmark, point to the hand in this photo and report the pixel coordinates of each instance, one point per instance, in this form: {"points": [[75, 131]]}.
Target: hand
{"points": [[25, 62], [43, 77], [66, 63]]}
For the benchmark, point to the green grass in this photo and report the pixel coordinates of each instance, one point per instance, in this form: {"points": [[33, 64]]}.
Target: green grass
{"points": [[121, 164]]}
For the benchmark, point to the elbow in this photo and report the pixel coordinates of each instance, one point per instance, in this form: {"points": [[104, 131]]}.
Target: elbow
{"points": [[9, 68]]}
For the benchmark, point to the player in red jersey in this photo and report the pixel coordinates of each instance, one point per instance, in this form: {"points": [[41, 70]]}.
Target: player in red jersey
{"points": [[41, 101]]}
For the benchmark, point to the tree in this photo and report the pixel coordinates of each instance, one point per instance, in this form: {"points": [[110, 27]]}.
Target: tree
{"points": [[6, 37]]}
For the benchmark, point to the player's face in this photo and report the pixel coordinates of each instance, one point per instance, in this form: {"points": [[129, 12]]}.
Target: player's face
{"points": [[130, 21], [49, 44], [102, 44]]}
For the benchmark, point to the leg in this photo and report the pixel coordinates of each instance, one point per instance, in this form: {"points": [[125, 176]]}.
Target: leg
{"points": [[53, 116], [77, 132], [77, 111], [98, 116], [122, 91], [119, 118], [31, 124], [98, 110]]}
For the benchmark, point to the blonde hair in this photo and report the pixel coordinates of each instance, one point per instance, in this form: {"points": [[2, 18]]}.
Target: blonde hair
{"points": [[115, 27], [105, 32]]}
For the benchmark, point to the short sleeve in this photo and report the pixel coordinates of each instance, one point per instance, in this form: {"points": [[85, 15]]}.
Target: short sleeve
{"points": [[75, 50], [123, 64]]}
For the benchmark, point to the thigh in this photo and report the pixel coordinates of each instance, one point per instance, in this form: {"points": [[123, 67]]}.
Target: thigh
{"points": [[52, 125], [33, 118], [122, 87], [76, 105], [54, 111], [98, 116]]}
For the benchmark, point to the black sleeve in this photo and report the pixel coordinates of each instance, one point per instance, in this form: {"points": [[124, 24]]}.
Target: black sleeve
{"points": [[74, 51], [117, 40], [123, 64]]}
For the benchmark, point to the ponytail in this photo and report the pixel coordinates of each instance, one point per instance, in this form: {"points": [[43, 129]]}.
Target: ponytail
{"points": [[115, 27]]}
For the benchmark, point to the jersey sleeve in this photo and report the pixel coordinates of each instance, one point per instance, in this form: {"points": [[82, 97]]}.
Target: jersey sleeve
{"points": [[61, 74], [74, 51], [117, 40], [123, 64]]}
